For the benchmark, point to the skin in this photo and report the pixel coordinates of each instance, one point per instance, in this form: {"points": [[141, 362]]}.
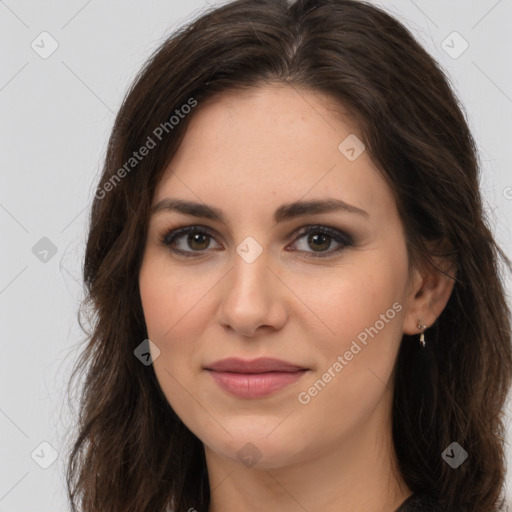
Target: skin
{"points": [[247, 153]]}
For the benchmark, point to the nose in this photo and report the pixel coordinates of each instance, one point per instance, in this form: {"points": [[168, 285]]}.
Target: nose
{"points": [[253, 298]]}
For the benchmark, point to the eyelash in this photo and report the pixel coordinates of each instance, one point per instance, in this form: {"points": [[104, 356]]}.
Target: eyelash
{"points": [[170, 236]]}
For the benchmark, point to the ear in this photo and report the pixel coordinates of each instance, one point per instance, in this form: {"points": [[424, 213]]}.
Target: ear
{"points": [[429, 293]]}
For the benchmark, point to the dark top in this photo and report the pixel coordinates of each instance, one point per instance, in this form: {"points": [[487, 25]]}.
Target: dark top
{"points": [[419, 503]]}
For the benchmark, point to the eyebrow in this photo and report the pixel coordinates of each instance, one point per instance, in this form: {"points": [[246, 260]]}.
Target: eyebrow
{"points": [[284, 212]]}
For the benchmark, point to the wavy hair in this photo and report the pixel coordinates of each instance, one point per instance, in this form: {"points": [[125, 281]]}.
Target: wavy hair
{"points": [[130, 451]]}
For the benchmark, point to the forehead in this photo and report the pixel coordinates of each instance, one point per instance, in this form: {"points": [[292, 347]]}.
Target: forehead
{"points": [[268, 145]]}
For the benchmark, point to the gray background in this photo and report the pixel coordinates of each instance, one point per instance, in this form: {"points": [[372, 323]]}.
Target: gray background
{"points": [[56, 114]]}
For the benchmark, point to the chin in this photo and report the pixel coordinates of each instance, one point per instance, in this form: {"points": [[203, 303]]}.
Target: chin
{"points": [[257, 453], [257, 443]]}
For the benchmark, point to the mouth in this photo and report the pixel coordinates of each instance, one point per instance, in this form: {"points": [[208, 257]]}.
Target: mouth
{"points": [[256, 378]]}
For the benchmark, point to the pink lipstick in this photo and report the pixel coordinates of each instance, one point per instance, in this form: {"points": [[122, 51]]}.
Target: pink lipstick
{"points": [[255, 378]]}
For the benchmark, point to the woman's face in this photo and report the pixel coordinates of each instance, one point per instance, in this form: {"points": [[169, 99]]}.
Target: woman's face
{"points": [[334, 305]]}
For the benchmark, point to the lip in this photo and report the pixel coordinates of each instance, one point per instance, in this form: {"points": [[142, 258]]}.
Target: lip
{"points": [[260, 365], [255, 378]]}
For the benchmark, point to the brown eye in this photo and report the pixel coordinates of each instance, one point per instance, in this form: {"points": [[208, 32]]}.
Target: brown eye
{"points": [[319, 241], [197, 240], [320, 238]]}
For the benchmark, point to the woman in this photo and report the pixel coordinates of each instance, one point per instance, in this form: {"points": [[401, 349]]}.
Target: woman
{"points": [[285, 267]]}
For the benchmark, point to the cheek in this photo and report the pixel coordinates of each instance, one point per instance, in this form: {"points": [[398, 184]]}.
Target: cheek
{"points": [[364, 310], [155, 304], [353, 300], [162, 314], [163, 296], [363, 306], [174, 313], [166, 321]]}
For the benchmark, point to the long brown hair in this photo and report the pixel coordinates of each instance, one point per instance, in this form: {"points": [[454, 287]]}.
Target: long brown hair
{"points": [[130, 451]]}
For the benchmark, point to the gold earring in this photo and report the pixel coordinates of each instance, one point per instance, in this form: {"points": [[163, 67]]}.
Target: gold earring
{"points": [[422, 336]]}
